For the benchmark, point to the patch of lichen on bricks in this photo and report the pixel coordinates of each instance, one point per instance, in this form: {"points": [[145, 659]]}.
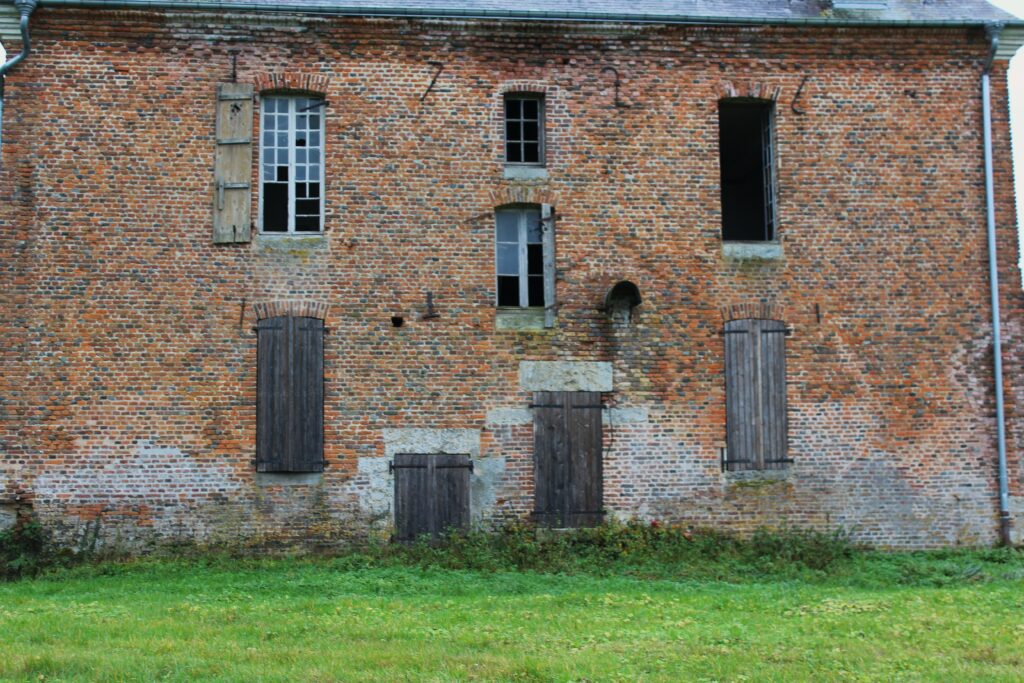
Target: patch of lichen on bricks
{"points": [[128, 360]]}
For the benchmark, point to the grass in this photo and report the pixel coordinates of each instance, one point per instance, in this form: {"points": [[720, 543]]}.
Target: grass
{"points": [[407, 614]]}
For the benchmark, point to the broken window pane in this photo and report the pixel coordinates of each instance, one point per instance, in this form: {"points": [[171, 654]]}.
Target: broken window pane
{"points": [[536, 291], [291, 156], [508, 291]]}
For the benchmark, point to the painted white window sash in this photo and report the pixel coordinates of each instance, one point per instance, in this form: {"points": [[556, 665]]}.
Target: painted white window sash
{"points": [[291, 149]]}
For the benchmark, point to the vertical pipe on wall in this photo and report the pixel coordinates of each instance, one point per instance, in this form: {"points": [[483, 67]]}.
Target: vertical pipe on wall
{"points": [[25, 7], [993, 273]]}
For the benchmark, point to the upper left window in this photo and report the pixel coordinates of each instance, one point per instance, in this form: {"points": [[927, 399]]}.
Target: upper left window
{"points": [[292, 165]]}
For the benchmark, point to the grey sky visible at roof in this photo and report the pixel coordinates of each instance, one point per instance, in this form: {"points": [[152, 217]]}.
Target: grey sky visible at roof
{"points": [[815, 10]]}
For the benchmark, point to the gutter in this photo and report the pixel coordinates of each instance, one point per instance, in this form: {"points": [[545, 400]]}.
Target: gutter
{"points": [[993, 273], [325, 8], [25, 7]]}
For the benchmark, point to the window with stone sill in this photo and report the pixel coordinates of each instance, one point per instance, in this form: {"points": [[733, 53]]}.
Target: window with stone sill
{"points": [[524, 129], [291, 165], [746, 129]]}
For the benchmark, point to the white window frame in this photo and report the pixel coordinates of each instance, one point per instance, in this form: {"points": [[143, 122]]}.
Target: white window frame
{"points": [[522, 212], [292, 99]]}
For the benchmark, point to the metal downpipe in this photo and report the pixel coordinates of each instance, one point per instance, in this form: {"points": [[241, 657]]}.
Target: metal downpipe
{"points": [[993, 273], [25, 7]]}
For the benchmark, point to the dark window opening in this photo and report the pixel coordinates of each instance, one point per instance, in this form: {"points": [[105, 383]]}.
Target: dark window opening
{"points": [[747, 170], [524, 129]]}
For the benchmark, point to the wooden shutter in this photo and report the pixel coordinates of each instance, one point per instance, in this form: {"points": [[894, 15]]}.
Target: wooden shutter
{"points": [[308, 395], [755, 393], [232, 175], [768, 170], [547, 222], [289, 395], [412, 496], [772, 364], [568, 477], [272, 388], [431, 493]]}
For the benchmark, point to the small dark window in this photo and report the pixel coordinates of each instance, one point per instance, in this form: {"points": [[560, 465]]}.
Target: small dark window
{"points": [[755, 394], [747, 170], [524, 129], [290, 395]]}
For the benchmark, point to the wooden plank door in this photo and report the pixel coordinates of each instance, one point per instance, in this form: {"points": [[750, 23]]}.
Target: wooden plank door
{"points": [[568, 477]]}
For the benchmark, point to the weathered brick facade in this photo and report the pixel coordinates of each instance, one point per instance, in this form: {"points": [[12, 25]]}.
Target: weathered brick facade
{"points": [[127, 395]]}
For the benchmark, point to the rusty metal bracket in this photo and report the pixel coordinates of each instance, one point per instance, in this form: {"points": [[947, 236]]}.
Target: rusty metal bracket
{"points": [[437, 74], [618, 102], [800, 89]]}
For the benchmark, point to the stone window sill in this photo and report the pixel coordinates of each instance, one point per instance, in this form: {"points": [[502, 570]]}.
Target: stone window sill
{"points": [[755, 477], [742, 251], [266, 241], [288, 478], [514, 172], [522, 319]]}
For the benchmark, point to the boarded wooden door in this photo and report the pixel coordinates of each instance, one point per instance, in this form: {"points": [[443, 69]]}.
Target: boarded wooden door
{"points": [[290, 395], [431, 493], [755, 393], [568, 480]]}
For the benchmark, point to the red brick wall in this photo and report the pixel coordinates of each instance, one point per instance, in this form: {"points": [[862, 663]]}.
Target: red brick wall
{"points": [[128, 385]]}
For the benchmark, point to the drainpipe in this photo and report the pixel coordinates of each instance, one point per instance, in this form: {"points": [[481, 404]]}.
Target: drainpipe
{"points": [[993, 31], [25, 7]]}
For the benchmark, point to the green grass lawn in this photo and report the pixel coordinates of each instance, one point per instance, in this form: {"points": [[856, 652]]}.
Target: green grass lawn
{"points": [[946, 617]]}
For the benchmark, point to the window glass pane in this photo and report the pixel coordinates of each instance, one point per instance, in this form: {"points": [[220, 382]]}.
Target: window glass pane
{"points": [[268, 173], [314, 139], [530, 109], [282, 140], [513, 108], [512, 152], [314, 173], [533, 226], [536, 288], [314, 122], [268, 123], [508, 226], [309, 207], [300, 138], [531, 153], [300, 156], [307, 223], [512, 130], [508, 291], [300, 172], [275, 207], [530, 131], [535, 259], [508, 259], [282, 122], [268, 138], [300, 122]]}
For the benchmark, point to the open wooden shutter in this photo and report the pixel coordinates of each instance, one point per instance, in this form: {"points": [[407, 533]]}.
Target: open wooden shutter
{"points": [[547, 222], [289, 395], [232, 176], [755, 393], [431, 493], [568, 477]]}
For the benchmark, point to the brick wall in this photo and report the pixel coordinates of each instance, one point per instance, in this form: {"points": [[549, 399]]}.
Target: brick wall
{"points": [[128, 385]]}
